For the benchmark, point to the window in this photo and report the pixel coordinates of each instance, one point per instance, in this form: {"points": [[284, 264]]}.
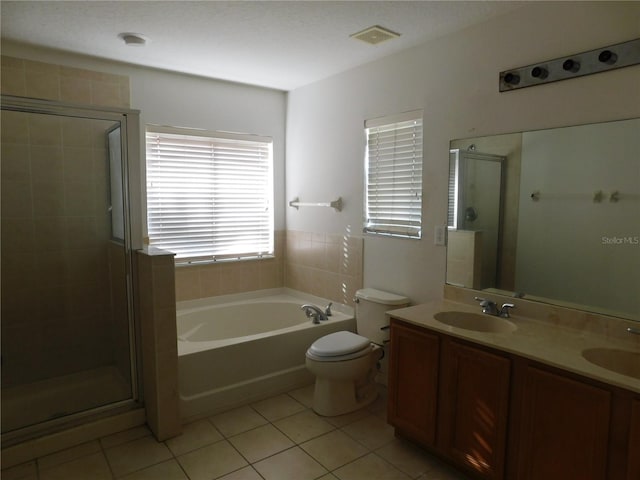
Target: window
{"points": [[209, 195], [393, 193], [454, 170]]}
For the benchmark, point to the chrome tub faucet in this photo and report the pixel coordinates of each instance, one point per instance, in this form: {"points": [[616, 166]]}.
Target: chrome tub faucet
{"points": [[314, 313]]}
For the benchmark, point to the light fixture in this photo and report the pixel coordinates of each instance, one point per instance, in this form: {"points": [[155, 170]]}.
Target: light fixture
{"points": [[133, 39], [374, 35], [539, 72], [600, 60], [571, 65]]}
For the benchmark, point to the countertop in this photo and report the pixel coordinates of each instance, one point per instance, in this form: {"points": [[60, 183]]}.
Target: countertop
{"points": [[534, 339]]}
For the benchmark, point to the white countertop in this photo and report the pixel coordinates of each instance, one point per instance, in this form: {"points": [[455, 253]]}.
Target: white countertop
{"points": [[537, 340]]}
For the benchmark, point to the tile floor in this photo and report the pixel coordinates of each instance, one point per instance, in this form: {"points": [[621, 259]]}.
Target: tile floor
{"points": [[279, 438]]}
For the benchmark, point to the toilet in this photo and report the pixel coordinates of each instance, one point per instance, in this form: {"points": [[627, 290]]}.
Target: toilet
{"points": [[345, 364]]}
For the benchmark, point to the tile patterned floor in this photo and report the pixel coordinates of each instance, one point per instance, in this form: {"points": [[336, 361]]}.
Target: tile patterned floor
{"points": [[279, 438]]}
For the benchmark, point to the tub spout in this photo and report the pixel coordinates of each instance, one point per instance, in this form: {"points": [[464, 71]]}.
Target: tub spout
{"points": [[314, 313]]}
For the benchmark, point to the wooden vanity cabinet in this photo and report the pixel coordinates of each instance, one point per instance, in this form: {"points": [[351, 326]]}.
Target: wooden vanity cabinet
{"points": [[501, 416], [413, 382], [473, 408]]}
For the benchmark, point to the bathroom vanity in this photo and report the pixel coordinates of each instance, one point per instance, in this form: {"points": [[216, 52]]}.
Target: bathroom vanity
{"points": [[517, 398]]}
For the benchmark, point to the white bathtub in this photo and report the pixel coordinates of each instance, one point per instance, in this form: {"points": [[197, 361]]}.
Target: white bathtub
{"points": [[236, 349]]}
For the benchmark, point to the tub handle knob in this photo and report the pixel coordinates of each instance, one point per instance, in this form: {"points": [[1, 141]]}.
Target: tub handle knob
{"points": [[327, 310]]}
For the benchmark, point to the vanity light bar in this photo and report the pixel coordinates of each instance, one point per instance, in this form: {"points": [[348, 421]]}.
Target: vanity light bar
{"points": [[594, 61]]}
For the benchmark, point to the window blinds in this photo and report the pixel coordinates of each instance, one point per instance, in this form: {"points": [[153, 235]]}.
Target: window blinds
{"points": [[209, 197], [452, 210], [393, 197]]}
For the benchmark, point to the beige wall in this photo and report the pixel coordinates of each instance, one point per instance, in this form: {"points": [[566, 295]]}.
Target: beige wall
{"points": [[454, 79]]}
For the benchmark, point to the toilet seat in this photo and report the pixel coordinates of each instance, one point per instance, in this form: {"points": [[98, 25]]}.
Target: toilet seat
{"points": [[339, 346]]}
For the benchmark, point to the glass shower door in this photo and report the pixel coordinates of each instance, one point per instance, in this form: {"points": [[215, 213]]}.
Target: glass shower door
{"points": [[67, 335]]}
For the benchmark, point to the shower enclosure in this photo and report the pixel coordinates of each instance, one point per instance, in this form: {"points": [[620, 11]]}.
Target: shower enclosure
{"points": [[68, 336], [476, 185]]}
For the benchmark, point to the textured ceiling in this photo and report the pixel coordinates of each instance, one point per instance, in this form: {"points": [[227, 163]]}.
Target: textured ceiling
{"points": [[273, 44]]}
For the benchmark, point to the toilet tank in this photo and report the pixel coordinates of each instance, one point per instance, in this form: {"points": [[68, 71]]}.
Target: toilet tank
{"points": [[371, 305]]}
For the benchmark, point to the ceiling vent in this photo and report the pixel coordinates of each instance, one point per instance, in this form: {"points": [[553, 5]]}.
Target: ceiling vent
{"points": [[374, 35]]}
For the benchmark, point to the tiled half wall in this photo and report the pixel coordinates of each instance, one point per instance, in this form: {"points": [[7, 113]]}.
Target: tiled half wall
{"points": [[326, 265]]}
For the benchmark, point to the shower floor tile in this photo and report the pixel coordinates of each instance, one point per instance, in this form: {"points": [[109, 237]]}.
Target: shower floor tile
{"points": [[95, 387], [279, 438]]}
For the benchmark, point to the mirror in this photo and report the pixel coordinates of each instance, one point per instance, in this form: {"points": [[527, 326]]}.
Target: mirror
{"points": [[549, 215]]}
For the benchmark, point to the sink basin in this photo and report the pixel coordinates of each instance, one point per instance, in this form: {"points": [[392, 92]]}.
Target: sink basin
{"points": [[478, 322], [623, 362]]}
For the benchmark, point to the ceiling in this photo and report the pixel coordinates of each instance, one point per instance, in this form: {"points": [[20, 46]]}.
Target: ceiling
{"points": [[274, 44]]}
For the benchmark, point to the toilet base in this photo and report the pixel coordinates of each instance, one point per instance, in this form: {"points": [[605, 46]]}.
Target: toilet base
{"points": [[338, 397]]}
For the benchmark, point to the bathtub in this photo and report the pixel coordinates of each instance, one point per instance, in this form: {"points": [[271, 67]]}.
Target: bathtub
{"points": [[237, 349]]}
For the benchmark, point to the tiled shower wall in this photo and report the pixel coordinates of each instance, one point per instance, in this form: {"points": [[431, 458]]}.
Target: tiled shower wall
{"points": [[55, 230], [26, 78], [56, 291]]}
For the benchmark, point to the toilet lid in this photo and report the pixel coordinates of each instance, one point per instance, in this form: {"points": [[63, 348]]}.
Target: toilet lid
{"points": [[338, 343]]}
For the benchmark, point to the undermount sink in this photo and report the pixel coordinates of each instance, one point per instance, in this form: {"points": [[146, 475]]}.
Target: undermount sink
{"points": [[623, 362], [479, 322]]}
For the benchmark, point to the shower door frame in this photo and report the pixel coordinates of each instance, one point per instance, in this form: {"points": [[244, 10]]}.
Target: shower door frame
{"points": [[130, 151]]}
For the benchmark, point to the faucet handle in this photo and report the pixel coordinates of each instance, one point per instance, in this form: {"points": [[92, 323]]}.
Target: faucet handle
{"points": [[484, 302], [488, 306], [327, 310], [506, 308]]}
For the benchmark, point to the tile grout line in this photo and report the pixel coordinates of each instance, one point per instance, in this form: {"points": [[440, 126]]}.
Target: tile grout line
{"points": [[371, 412]]}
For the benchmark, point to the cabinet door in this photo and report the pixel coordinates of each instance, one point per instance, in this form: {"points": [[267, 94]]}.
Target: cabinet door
{"points": [[564, 428], [474, 403], [413, 382], [633, 463]]}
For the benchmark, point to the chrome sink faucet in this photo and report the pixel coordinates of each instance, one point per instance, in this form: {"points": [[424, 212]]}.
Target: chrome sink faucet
{"points": [[490, 308], [314, 313]]}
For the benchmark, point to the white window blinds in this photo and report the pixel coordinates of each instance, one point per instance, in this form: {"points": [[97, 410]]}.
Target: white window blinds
{"points": [[393, 193], [452, 211], [209, 196]]}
